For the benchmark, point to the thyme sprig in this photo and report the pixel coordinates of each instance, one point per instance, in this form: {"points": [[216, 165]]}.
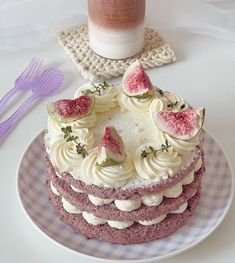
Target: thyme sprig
{"points": [[80, 148], [151, 150], [98, 88], [171, 103]]}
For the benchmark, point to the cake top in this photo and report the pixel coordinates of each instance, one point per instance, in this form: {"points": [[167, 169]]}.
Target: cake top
{"points": [[126, 136]]}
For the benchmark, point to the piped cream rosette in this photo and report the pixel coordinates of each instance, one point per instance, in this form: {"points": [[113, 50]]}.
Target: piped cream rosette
{"points": [[163, 102], [105, 101], [113, 176], [64, 155], [54, 127], [134, 104], [156, 165]]}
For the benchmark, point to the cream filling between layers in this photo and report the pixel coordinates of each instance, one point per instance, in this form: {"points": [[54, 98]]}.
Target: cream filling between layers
{"points": [[94, 220], [148, 200]]}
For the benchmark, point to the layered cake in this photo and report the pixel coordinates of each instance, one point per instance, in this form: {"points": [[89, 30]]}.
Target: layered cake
{"points": [[124, 162]]}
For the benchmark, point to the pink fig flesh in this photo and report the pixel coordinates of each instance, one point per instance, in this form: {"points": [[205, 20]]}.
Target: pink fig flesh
{"points": [[67, 110], [136, 82], [111, 149], [183, 125]]}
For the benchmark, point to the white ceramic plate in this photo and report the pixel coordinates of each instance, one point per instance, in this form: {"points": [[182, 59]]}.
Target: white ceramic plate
{"points": [[216, 197]]}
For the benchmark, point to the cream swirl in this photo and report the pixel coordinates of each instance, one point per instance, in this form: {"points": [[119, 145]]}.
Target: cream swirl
{"points": [[156, 106], [103, 102], [161, 103], [54, 127], [64, 154], [170, 98], [181, 146], [157, 166], [135, 104], [114, 176]]}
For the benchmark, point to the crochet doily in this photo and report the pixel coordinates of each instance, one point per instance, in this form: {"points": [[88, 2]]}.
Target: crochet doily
{"points": [[93, 67]]}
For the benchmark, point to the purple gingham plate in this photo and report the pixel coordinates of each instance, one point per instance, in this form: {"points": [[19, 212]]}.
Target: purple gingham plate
{"points": [[216, 197]]}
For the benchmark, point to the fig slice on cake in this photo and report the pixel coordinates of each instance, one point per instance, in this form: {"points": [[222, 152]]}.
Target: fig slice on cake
{"points": [[136, 82], [111, 149], [183, 124], [67, 110]]}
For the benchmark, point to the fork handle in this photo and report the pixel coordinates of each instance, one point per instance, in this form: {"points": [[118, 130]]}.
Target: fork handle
{"points": [[7, 125], [7, 97]]}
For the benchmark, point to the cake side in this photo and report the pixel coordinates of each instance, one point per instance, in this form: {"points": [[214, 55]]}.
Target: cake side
{"points": [[136, 233]]}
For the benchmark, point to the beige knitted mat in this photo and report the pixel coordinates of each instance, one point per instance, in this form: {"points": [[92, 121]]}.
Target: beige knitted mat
{"points": [[93, 67]]}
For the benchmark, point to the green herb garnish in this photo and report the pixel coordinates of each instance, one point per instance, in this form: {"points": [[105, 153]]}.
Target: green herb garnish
{"points": [[97, 88], [151, 150], [171, 103], [69, 137]]}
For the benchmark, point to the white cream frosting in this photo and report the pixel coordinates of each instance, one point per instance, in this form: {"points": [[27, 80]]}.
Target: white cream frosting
{"points": [[54, 127], [157, 166], [181, 209], [153, 221], [128, 205], [134, 104], [136, 128], [69, 207], [115, 176], [120, 224], [54, 190], [64, 155], [105, 102], [99, 201], [76, 189], [198, 165], [92, 219], [174, 191], [161, 103], [152, 200], [188, 179], [181, 146], [171, 98]]}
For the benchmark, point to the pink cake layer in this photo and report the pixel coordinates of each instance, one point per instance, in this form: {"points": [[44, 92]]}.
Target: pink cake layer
{"points": [[136, 233], [131, 193], [111, 212]]}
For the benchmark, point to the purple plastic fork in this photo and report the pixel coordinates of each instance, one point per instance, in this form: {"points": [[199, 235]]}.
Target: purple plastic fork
{"points": [[46, 85], [23, 82]]}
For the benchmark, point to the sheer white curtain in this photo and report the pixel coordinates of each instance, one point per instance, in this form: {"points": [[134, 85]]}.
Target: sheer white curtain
{"points": [[27, 23]]}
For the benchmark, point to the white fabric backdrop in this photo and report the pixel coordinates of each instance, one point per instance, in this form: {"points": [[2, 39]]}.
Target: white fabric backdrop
{"points": [[27, 23]]}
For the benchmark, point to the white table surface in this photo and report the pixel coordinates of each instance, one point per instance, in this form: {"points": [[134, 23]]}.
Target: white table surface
{"points": [[204, 74]]}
